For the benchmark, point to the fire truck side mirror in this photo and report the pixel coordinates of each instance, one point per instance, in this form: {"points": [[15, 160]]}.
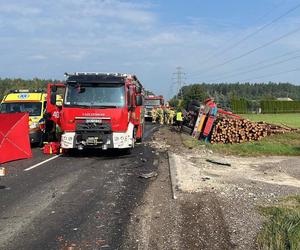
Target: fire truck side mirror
{"points": [[139, 100], [53, 95]]}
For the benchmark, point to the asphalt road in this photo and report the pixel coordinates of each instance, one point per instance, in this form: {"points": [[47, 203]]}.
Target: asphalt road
{"points": [[82, 201]]}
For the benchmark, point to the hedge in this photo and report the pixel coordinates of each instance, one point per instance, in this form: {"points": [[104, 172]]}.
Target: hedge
{"points": [[272, 106], [240, 106]]}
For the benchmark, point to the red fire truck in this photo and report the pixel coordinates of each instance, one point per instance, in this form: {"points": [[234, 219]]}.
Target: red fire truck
{"points": [[99, 110], [152, 101]]}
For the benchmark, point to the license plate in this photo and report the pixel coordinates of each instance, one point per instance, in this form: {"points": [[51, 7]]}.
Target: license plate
{"points": [[94, 121], [92, 140]]}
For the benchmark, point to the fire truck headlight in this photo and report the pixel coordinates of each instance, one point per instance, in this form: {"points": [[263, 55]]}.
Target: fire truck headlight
{"points": [[33, 125]]}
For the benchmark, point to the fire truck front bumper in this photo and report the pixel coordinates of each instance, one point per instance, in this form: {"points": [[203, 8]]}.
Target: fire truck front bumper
{"points": [[81, 140]]}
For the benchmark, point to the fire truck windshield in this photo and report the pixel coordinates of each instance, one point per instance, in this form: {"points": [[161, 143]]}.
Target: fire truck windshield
{"points": [[33, 108], [152, 102], [95, 95]]}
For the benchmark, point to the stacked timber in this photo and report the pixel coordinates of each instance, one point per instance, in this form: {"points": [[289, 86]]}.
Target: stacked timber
{"points": [[229, 130]]}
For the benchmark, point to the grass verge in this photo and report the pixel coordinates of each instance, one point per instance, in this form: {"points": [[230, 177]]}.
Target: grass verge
{"points": [[283, 144], [291, 120], [282, 227]]}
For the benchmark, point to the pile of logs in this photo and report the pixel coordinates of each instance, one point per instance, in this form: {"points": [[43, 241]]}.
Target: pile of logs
{"points": [[228, 130]]}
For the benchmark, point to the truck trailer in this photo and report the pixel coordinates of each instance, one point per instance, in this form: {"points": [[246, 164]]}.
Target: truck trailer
{"points": [[99, 110]]}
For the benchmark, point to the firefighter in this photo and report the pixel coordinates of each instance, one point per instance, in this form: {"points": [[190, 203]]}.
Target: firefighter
{"points": [[160, 114], [166, 115], [171, 116], [154, 114], [179, 120]]}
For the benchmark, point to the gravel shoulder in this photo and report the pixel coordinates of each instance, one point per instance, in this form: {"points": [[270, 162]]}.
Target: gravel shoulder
{"points": [[217, 204]]}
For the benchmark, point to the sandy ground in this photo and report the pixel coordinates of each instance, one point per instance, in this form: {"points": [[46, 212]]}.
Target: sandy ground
{"points": [[217, 205]]}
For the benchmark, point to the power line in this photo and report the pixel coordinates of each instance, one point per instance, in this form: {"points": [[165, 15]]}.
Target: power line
{"points": [[279, 73], [254, 50], [271, 10], [179, 77], [257, 63], [263, 61], [261, 67], [253, 33]]}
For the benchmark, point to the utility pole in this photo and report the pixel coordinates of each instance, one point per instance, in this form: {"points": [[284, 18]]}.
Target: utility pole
{"points": [[179, 78]]}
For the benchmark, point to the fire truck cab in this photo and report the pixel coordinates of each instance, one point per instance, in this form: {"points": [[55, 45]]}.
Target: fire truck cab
{"points": [[99, 110], [152, 101]]}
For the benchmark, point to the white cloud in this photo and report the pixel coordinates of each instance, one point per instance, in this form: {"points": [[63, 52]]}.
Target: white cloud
{"points": [[111, 35], [18, 8], [38, 57]]}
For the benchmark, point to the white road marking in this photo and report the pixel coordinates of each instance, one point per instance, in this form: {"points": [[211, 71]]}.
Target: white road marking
{"points": [[41, 163]]}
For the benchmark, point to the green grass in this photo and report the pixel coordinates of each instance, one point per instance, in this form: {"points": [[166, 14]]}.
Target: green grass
{"points": [[282, 227], [292, 120], [283, 144]]}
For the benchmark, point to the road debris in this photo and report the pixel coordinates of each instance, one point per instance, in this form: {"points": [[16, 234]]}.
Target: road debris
{"points": [[91, 190], [148, 175], [143, 160], [219, 162], [155, 162], [3, 171], [205, 178]]}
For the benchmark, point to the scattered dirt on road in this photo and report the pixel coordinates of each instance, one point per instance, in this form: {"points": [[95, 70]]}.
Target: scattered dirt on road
{"points": [[217, 205], [154, 223]]}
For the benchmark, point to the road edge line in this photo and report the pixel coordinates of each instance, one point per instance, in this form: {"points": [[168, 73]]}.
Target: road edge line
{"points": [[172, 174], [41, 163]]}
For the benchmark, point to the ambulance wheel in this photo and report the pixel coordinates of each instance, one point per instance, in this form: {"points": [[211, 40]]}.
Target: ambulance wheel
{"points": [[38, 140], [41, 142]]}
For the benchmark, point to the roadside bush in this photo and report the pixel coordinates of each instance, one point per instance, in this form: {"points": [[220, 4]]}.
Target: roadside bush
{"points": [[282, 229]]}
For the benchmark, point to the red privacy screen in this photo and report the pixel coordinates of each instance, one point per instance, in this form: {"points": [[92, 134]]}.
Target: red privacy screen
{"points": [[14, 137]]}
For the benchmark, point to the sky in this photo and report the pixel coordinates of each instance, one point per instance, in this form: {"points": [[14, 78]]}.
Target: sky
{"points": [[45, 39]]}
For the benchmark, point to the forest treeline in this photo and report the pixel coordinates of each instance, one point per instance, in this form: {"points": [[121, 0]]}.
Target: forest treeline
{"points": [[18, 83], [241, 96], [32, 84], [256, 91]]}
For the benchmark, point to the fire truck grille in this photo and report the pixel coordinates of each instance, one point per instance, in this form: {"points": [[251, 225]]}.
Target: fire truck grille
{"points": [[91, 126]]}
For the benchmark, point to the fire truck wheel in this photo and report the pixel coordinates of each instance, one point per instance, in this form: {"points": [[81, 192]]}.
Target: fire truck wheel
{"points": [[71, 152], [138, 140], [125, 151]]}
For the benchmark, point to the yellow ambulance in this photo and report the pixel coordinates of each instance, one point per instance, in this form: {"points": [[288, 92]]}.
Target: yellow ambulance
{"points": [[33, 102]]}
